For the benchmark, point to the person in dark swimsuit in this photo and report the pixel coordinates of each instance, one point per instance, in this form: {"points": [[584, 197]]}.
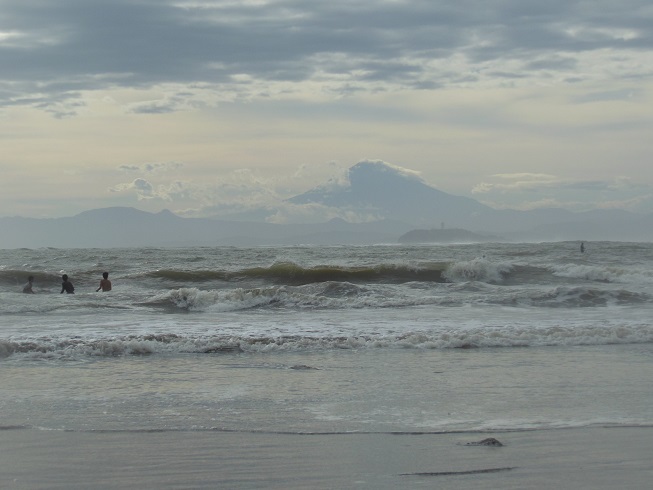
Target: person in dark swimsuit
{"points": [[66, 285], [27, 288]]}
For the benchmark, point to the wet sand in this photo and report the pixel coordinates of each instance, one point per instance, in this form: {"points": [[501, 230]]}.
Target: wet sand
{"points": [[597, 458]]}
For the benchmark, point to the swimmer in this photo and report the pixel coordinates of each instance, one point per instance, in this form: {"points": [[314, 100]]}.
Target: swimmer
{"points": [[66, 285], [27, 288], [105, 284]]}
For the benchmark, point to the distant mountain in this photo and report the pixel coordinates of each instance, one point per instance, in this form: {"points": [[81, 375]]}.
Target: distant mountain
{"points": [[129, 227], [376, 188], [384, 191], [397, 199]]}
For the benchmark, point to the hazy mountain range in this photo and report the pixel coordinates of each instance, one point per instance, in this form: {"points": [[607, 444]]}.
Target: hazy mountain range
{"points": [[399, 201]]}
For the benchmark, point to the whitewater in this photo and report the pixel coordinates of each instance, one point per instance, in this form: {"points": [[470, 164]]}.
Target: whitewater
{"points": [[462, 339]]}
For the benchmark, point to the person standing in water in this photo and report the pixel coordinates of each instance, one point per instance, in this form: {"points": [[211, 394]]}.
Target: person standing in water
{"points": [[105, 284], [27, 288], [66, 285], [582, 247]]}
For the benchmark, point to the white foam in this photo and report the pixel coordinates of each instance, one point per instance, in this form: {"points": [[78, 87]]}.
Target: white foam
{"points": [[229, 341], [602, 273], [479, 269]]}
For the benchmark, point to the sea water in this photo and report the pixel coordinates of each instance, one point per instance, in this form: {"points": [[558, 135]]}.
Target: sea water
{"points": [[384, 339]]}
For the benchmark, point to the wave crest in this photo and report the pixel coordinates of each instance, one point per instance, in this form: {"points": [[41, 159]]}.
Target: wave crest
{"points": [[290, 273], [601, 273], [193, 299], [482, 337], [479, 269]]}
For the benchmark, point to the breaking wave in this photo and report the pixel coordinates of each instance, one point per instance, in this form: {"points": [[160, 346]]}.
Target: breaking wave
{"points": [[477, 270], [602, 273], [339, 296], [293, 274], [481, 337]]}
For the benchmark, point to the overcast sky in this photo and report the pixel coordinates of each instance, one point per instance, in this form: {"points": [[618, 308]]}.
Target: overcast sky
{"points": [[201, 106]]}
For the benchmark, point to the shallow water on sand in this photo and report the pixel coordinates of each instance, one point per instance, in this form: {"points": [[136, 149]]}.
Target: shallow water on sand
{"points": [[391, 390]]}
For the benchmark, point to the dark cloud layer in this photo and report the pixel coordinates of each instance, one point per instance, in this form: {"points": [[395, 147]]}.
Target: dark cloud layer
{"points": [[52, 50]]}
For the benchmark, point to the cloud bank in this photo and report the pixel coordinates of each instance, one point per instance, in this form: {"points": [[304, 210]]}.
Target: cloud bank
{"points": [[201, 52], [233, 106]]}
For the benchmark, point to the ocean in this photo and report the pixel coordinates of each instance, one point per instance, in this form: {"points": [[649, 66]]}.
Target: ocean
{"points": [[328, 367]]}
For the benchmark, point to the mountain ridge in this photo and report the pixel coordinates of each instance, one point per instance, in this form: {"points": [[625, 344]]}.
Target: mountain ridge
{"points": [[375, 186], [397, 199]]}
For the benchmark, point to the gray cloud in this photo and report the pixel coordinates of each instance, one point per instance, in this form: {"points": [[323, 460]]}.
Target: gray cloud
{"points": [[528, 182], [142, 188], [531, 191], [55, 50], [152, 167]]}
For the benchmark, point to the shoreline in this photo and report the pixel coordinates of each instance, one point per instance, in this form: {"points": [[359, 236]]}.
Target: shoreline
{"points": [[592, 457]]}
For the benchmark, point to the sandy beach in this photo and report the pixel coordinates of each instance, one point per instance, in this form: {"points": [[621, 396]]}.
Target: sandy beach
{"points": [[598, 458]]}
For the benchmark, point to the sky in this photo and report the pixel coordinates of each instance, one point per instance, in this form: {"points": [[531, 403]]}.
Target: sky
{"points": [[211, 107]]}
